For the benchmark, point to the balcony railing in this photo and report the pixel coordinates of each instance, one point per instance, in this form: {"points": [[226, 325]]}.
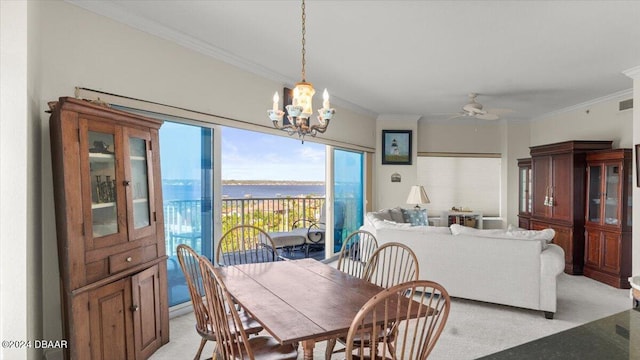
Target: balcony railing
{"points": [[183, 218]]}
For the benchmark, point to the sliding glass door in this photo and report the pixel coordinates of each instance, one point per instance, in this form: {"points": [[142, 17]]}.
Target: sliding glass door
{"points": [[348, 194], [186, 161]]}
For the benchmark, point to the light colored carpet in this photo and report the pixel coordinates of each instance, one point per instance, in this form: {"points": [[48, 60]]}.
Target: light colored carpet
{"points": [[474, 329]]}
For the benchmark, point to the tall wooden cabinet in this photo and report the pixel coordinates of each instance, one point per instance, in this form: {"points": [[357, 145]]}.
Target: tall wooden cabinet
{"points": [[109, 218], [558, 180], [525, 203], [608, 217]]}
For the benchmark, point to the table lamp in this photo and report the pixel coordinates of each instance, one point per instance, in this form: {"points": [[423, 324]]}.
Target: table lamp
{"points": [[417, 196]]}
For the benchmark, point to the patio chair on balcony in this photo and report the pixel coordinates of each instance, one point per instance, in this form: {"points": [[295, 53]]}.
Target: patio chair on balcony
{"points": [[306, 234]]}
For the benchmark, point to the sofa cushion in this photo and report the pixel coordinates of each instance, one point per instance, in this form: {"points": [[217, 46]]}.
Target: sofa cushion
{"points": [[408, 227], [389, 224], [380, 215], [544, 236], [396, 215], [416, 217], [457, 229]]}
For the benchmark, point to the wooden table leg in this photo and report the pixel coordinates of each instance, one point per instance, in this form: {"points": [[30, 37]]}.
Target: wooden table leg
{"points": [[307, 346]]}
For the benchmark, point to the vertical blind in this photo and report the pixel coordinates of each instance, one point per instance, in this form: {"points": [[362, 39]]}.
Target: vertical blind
{"points": [[469, 182]]}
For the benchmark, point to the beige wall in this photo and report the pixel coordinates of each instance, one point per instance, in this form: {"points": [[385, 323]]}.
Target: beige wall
{"points": [[635, 248], [16, 241], [515, 146], [469, 137], [599, 120]]}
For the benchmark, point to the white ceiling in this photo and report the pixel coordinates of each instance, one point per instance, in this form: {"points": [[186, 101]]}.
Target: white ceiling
{"points": [[414, 57]]}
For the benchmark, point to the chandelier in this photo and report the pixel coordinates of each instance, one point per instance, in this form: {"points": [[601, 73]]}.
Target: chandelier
{"points": [[301, 109]]}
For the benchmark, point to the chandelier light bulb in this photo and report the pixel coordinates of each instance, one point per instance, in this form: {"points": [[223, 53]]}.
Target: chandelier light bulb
{"points": [[276, 99], [325, 98]]}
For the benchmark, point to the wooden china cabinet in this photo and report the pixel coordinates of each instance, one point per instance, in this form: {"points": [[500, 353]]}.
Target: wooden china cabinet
{"points": [[558, 180], [525, 203], [608, 217], [110, 230]]}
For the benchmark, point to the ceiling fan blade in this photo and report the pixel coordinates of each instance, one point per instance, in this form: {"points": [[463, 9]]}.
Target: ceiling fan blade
{"points": [[487, 116], [474, 108], [500, 111], [456, 116]]}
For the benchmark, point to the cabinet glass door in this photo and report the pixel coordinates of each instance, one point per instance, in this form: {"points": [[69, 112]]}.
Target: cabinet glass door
{"points": [[102, 169], [594, 195], [139, 183], [529, 187], [525, 190], [612, 195]]}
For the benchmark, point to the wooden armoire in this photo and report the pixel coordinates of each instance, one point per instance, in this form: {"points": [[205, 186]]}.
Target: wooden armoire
{"points": [[559, 181], [110, 230], [608, 217]]}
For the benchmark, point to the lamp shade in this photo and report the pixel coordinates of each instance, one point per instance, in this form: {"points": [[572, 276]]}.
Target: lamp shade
{"points": [[417, 195]]}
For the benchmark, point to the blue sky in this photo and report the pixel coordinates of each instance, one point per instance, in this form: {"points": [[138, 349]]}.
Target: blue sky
{"points": [[246, 155]]}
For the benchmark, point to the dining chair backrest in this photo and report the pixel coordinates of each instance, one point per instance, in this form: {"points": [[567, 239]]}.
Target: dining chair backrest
{"points": [[189, 262], [391, 264], [411, 317], [356, 251], [232, 341], [245, 244]]}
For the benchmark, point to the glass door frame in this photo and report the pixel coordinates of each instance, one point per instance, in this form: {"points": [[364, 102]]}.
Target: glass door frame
{"points": [[330, 194]]}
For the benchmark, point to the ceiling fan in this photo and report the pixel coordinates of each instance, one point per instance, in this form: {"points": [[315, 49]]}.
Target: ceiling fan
{"points": [[475, 109]]}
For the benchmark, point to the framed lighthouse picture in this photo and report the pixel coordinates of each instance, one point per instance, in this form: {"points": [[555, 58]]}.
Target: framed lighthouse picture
{"points": [[396, 147]]}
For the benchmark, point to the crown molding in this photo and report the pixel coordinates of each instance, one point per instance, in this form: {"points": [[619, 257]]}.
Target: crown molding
{"points": [[114, 12], [633, 73], [399, 117], [614, 96]]}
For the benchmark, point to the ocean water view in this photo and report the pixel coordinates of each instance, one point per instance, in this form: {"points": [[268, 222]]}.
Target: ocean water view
{"points": [[271, 191], [191, 190]]}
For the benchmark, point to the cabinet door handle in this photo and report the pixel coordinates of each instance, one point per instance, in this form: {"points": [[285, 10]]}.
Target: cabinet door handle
{"points": [[134, 308], [129, 259], [126, 182]]}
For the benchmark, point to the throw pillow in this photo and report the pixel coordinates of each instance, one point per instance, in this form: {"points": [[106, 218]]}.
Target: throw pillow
{"points": [[415, 217], [396, 215]]}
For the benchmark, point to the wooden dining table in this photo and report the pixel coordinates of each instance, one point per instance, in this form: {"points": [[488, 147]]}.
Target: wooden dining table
{"points": [[302, 300]]}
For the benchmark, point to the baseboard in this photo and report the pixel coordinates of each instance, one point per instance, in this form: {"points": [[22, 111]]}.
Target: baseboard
{"points": [[54, 354], [180, 309]]}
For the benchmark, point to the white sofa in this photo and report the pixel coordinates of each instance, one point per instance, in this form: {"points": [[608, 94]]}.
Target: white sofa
{"points": [[496, 266]]}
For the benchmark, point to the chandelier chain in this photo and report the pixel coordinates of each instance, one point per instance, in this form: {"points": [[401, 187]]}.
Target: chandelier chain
{"points": [[304, 20]]}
